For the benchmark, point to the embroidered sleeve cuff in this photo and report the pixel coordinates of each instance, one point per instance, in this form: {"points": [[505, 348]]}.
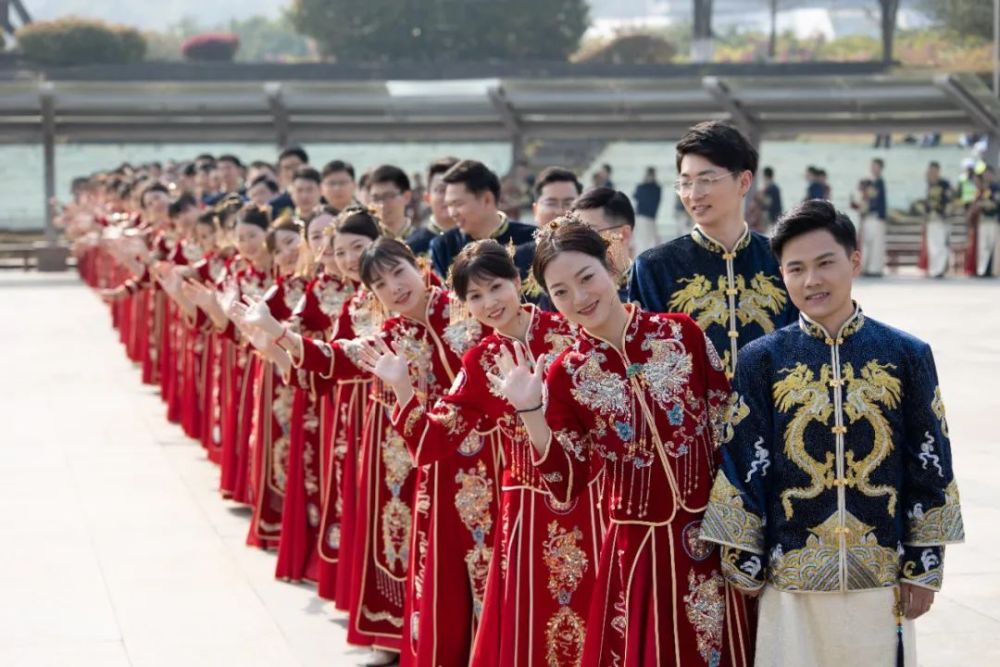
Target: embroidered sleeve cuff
{"points": [[937, 525], [742, 569], [317, 357], [922, 566], [727, 521]]}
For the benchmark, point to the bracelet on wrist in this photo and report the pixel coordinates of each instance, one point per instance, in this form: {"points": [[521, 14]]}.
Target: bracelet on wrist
{"points": [[534, 409]]}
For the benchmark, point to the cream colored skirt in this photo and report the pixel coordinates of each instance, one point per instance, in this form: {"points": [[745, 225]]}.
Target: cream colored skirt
{"points": [[830, 630]]}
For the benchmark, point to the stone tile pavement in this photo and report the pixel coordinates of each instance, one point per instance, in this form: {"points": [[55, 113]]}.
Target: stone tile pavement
{"points": [[119, 551]]}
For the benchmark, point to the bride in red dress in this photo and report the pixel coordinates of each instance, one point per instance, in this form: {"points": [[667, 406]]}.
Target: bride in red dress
{"points": [[638, 398]]}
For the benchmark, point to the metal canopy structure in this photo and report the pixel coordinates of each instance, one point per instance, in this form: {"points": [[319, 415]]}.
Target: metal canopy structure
{"points": [[39, 111], [487, 109]]}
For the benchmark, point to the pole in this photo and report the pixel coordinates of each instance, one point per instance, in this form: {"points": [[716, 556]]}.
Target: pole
{"points": [[996, 47], [49, 158]]}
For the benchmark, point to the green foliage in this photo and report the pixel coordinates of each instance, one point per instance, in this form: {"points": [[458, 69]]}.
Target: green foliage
{"points": [[964, 17], [76, 41], [442, 30]]}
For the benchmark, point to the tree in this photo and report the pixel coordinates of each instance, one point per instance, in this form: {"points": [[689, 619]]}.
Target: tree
{"points": [[889, 9], [965, 17], [442, 30], [701, 40]]}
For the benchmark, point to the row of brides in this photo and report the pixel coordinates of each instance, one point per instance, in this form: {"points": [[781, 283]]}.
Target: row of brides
{"points": [[474, 480]]}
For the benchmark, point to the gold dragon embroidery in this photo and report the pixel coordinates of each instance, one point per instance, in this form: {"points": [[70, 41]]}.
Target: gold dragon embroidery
{"points": [[757, 303], [864, 395]]}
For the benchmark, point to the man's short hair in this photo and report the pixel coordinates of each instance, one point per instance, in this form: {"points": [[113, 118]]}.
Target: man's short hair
{"points": [[231, 159], [810, 216], [390, 173], [768, 172], [556, 175], [721, 144], [294, 151], [476, 176], [615, 205], [337, 166], [265, 179], [440, 166], [307, 173], [879, 161]]}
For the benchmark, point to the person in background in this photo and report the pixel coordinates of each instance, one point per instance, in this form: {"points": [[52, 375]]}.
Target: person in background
{"points": [[306, 194], [935, 207], [871, 208], [722, 274], [471, 195], [290, 161], [555, 190], [337, 184], [814, 186], [769, 200], [262, 190], [647, 198], [987, 237], [261, 168]]}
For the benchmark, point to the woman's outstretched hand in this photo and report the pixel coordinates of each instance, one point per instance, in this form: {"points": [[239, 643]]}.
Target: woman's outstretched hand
{"points": [[518, 379]]}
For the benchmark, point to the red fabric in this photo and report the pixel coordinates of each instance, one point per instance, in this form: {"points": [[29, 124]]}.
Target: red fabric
{"points": [[646, 417]]}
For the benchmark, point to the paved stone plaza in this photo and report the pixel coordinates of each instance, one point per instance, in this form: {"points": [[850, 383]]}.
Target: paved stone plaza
{"points": [[119, 550]]}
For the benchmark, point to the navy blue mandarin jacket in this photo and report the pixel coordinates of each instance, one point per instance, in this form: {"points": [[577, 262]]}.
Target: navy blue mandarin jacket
{"points": [[836, 469], [735, 297], [445, 247]]}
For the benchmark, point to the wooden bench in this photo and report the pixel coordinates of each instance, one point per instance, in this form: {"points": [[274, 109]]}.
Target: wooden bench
{"points": [[904, 235]]}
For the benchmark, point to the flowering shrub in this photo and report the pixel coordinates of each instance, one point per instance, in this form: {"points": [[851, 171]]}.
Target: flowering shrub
{"points": [[77, 41], [212, 46]]}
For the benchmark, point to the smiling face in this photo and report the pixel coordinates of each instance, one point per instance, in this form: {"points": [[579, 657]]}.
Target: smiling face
{"points": [[347, 251], [338, 189], [818, 273], [205, 236], [400, 288], [251, 242], [554, 200], [320, 242], [305, 194], [495, 302], [390, 202], [475, 215], [260, 194], [155, 205], [713, 195], [435, 199], [286, 250], [582, 289]]}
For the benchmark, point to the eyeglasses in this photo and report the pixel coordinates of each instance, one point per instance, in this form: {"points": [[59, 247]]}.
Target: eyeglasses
{"points": [[383, 198], [702, 183], [549, 202]]}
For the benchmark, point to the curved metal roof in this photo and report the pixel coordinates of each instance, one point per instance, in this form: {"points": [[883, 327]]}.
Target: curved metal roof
{"points": [[488, 109]]}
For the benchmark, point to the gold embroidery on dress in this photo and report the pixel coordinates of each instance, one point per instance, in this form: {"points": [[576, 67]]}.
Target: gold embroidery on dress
{"points": [[816, 566], [596, 388], [472, 500], [281, 409], [396, 520], [567, 564], [705, 607]]}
